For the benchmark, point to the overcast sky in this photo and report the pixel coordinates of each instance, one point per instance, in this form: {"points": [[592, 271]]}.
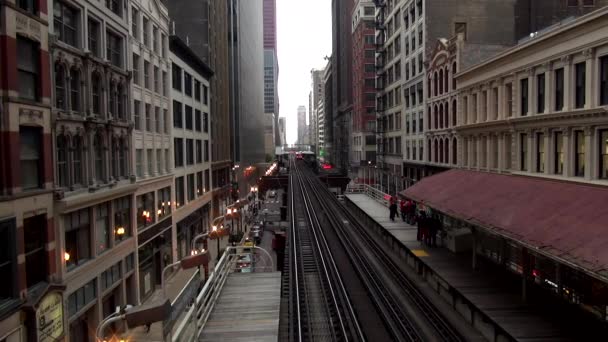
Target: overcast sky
{"points": [[304, 38]]}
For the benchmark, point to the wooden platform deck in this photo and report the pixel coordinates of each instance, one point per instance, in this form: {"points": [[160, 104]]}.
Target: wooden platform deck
{"points": [[247, 310], [488, 288]]}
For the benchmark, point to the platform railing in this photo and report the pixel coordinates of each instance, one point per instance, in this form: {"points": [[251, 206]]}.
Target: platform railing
{"points": [[372, 192], [191, 326]]}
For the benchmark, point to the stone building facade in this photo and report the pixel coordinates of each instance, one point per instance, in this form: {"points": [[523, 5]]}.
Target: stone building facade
{"points": [[537, 109]]}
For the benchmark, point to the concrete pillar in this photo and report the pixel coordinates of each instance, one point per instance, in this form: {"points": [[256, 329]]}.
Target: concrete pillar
{"points": [[590, 79], [531, 155], [501, 153], [568, 154], [489, 155], [532, 95], [568, 82], [502, 103], [547, 156], [549, 89], [589, 153]]}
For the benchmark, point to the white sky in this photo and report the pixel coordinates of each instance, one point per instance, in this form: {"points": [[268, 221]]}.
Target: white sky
{"points": [[304, 38]]}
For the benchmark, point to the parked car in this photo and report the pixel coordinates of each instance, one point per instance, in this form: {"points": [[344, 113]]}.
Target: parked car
{"points": [[257, 236], [244, 263]]}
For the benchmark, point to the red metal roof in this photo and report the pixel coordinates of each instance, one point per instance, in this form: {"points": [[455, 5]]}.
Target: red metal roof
{"points": [[564, 219]]}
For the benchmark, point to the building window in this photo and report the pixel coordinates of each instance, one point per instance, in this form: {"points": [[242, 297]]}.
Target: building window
{"points": [[579, 91], [145, 210], [135, 23], [150, 157], [559, 89], [148, 118], [164, 202], [524, 96], [604, 80], [77, 149], [207, 185], [206, 150], [136, 114], [145, 28], [157, 122], [559, 153], [122, 158], [110, 276], [114, 48], [114, 6], [603, 134], [179, 192], [78, 300], [178, 148], [158, 162], [147, 74], [523, 152], [189, 151], [540, 152], [96, 93], [177, 77], [28, 5], [540, 93], [197, 90], [139, 157], [98, 147], [188, 114], [77, 238], [509, 96], [177, 115], [205, 95], [579, 148], [155, 38], [28, 61], [120, 102], [199, 183], [35, 239], [94, 38], [166, 120], [156, 79], [8, 259], [197, 120], [65, 20], [187, 84], [30, 157], [102, 228], [60, 87], [75, 89], [62, 161], [191, 187], [136, 69], [199, 151]]}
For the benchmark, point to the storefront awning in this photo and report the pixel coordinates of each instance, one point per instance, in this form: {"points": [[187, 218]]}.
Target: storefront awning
{"points": [[566, 220]]}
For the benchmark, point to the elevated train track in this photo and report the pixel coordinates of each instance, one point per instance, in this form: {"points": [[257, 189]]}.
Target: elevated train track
{"points": [[364, 292]]}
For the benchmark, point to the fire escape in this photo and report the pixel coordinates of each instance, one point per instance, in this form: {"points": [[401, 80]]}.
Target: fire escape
{"points": [[381, 120]]}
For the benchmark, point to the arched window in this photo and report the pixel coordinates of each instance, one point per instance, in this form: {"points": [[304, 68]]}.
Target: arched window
{"points": [[453, 78], [428, 87], [454, 151], [122, 160], [60, 86], [446, 82], [454, 118], [112, 101], [440, 116], [436, 150], [77, 159], [428, 117], [99, 158], [62, 161], [428, 154], [120, 101], [446, 113], [435, 84], [96, 93], [440, 81], [75, 89], [114, 158], [435, 117], [446, 149]]}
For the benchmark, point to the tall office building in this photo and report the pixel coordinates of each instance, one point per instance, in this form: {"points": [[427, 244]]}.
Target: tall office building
{"points": [[204, 24], [363, 139], [301, 117], [282, 131], [316, 94], [271, 78]]}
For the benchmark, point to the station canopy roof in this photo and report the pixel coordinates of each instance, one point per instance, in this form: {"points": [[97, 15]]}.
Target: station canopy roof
{"points": [[564, 220]]}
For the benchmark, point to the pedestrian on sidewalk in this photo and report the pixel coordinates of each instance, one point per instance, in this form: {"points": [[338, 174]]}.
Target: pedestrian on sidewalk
{"points": [[392, 210], [403, 209]]}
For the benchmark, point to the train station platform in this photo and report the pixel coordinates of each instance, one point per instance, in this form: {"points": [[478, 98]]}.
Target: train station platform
{"points": [[247, 310], [488, 297]]}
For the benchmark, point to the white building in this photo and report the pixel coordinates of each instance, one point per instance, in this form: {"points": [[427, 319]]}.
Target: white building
{"points": [[191, 144], [149, 56]]}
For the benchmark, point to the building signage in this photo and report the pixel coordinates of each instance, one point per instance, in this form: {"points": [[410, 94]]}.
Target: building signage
{"points": [[49, 317]]}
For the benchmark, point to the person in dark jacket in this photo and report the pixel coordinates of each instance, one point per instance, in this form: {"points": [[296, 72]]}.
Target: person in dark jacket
{"points": [[420, 224], [403, 208], [393, 209]]}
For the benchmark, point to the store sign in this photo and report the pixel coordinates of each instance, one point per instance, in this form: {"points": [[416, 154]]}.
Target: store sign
{"points": [[49, 317]]}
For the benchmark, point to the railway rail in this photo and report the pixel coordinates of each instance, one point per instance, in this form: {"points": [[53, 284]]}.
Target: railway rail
{"points": [[383, 280]]}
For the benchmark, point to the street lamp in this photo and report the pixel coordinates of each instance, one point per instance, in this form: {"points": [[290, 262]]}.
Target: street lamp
{"points": [[190, 261], [136, 316]]}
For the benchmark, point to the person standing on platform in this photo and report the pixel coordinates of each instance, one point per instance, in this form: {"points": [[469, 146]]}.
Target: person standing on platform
{"points": [[403, 209], [420, 224], [392, 209]]}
